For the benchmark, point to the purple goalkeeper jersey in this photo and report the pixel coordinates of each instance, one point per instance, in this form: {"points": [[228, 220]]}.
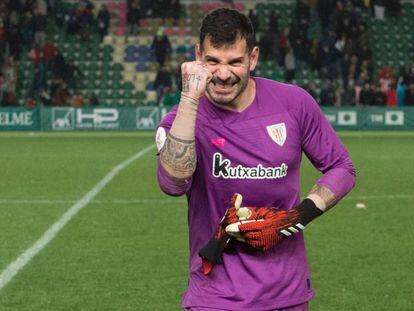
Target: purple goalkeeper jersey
{"points": [[257, 153]]}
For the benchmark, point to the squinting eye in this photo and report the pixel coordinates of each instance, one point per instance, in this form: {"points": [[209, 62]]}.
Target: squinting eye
{"points": [[212, 62]]}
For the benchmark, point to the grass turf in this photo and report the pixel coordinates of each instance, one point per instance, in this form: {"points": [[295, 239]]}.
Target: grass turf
{"points": [[127, 249]]}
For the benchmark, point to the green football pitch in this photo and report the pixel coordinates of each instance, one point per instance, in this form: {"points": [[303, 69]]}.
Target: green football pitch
{"points": [[83, 226]]}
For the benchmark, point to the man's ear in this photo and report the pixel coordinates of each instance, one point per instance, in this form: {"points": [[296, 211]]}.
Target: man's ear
{"points": [[254, 57], [198, 52]]}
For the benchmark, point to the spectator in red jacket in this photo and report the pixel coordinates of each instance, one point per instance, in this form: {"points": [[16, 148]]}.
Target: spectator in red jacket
{"points": [[49, 54], [36, 55]]}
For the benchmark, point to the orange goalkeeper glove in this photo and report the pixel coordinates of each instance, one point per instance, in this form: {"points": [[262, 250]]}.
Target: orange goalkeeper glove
{"points": [[211, 252], [270, 225]]}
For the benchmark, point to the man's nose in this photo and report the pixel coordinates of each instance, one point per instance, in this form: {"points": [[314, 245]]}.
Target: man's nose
{"points": [[223, 73]]}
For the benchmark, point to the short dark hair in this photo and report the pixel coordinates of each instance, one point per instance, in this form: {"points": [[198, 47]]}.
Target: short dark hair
{"points": [[224, 26]]}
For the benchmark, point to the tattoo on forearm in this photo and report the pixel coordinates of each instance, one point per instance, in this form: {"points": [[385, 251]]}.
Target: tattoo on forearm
{"points": [[179, 155], [327, 195]]}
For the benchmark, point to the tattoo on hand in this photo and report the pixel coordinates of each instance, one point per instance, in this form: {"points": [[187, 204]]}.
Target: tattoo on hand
{"points": [[179, 155], [327, 195], [188, 78], [198, 82]]}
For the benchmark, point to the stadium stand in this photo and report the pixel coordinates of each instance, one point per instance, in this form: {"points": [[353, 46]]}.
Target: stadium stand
{"points": [[335, 52]]}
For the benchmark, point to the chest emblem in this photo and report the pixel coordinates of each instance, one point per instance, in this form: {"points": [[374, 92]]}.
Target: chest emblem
{"points": [[277, 133]]}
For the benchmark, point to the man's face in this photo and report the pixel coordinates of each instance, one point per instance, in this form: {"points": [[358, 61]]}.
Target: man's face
{"points": [[230, 66]]}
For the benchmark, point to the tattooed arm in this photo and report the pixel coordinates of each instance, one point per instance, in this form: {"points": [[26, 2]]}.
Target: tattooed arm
{"points": [[178, 155], [323, 198]]}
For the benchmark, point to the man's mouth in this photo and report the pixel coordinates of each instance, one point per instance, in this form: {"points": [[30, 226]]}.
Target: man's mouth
{"points": [[223, 87]]}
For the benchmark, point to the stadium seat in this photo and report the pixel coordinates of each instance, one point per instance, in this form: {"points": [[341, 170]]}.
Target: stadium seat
{"points": [[130, 67], [129, 76], [140, 86], [141, 67], [151, 96]]}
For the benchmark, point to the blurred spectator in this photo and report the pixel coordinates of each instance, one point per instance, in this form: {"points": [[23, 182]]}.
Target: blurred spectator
{"points": [[59, 10], [366, 97], [41, 7], [59, 66], [9, 99], [93, 100], [290, 65], [49, 54], [302, 10], [133, 16], [146, 7], [410, 75], [409, 95], [391, 94], [300, 46], [401, 91], [173, 9], [273, 22], [36, 55], [394, 7], [255, 21], [3, 86], [9, 70], [61, 97], [31, 103], [27, 28], [325, 9], [283, 44], [326, 60], [103, 19], [403, 76], [55, 85], [39, 83], [386, 80], [52, 6], [161, 46], [85, 20], [70, 76], [71, 21], [40, 24], [267, 45], [379, 8], [348, 96], [163, 81], [380, 99], [45, 98], [327, 97], [14, 40], [77, 101]]}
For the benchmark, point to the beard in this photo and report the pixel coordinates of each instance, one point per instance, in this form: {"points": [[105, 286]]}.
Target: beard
{"points": [[224, 93]]}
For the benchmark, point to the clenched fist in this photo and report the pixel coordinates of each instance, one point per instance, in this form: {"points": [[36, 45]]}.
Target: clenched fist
{"points": [[195, 77]]}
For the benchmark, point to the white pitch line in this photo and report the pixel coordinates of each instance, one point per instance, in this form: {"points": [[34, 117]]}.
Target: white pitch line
{"points": [[14, 267]]}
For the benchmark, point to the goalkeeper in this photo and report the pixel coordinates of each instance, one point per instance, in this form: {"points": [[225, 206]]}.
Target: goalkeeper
{"points": [[235, 133]]}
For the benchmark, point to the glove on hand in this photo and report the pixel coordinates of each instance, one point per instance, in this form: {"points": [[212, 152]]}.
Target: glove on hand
{"points": [[270, 225], [211, 252]]}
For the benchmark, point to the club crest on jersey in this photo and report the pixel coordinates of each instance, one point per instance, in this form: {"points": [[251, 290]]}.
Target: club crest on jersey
{"points": [[277, 133], [222, 169]]}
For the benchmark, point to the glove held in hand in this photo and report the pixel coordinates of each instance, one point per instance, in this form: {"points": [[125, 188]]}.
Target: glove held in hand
{"points": [[276, 224]]}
